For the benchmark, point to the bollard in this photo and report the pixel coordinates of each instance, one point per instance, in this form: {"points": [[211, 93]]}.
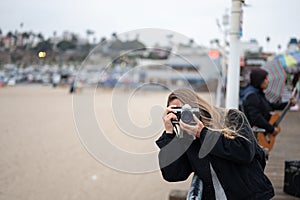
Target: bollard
{"points": [[178, 195]]}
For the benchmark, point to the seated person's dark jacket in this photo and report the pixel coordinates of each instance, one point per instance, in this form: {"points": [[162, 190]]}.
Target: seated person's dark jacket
{"points": [[257, 109], [238, 163]]}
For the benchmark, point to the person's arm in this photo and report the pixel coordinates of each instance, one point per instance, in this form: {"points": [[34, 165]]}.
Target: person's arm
{"points": [[282, 105], [241, 149], [278, 106], [255, 114], [173, 160]]}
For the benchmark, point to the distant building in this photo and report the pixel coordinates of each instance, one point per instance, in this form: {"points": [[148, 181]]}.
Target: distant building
{"points": [[251, 61], [293, 45], [187, 66], [251, 46]]}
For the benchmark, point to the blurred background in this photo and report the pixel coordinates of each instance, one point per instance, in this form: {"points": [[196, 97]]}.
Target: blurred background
{"points": [[52, 52], [46, 42]]}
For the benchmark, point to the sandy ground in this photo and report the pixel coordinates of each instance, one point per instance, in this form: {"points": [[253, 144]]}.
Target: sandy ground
{"points": [[42, 156]]}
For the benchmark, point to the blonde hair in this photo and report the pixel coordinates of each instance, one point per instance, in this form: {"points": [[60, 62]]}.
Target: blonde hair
{"points": [[216, 119]]}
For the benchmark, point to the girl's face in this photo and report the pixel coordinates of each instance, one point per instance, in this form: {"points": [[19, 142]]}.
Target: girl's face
{"points": [[265, 83], [176, 102]]}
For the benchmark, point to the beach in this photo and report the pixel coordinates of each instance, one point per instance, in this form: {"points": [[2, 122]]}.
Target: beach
{"points": [[42, 156]]}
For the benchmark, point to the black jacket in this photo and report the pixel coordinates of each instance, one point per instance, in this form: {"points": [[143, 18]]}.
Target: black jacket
{"points": [[257, 109], [238, 163]]}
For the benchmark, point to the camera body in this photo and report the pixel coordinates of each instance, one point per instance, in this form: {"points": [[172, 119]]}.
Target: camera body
{"points": [[185, 113]]}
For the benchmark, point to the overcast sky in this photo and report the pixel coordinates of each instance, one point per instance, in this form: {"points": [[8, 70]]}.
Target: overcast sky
{"points": [[193, 18]]}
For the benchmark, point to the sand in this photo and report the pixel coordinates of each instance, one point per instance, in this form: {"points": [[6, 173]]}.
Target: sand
{"points": [[42, 156]]}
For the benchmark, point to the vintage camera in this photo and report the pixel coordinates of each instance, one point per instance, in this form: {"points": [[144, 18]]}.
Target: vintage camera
{"points": [[185, 113]]}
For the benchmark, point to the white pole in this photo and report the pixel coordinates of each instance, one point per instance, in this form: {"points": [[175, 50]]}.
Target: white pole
{"points": [[219, 90], [233, 73]]}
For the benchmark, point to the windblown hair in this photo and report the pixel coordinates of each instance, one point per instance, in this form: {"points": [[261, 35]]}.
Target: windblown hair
{"points": [[212, 117]]}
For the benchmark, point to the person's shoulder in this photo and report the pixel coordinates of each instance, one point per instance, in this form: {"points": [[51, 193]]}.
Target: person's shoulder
{"points": [[232, 112], [235, 113], [247, 90], [251, 90]]}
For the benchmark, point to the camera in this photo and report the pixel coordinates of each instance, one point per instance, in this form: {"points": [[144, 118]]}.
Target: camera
{"points": [[185, 113]]}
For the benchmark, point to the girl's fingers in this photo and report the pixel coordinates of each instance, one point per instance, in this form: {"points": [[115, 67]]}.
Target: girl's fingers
{"points": [[170, 110], [188, 127], [196, 119], [170, 116]]}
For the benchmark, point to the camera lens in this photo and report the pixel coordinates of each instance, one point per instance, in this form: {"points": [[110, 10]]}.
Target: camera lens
{"points": [[186, 116]]}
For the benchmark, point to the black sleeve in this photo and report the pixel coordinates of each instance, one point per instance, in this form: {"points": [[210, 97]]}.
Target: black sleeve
{"points": [[255, 115], [173, 160], [164, 139], [278, 106], [241, 149]]}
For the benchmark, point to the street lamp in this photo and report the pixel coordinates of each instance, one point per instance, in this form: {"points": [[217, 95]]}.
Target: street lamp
{"points": [[42, 54]]}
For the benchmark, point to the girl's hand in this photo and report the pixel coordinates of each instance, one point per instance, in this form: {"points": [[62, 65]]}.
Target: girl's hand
{"points": [[193, 130], [168, 116]]}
